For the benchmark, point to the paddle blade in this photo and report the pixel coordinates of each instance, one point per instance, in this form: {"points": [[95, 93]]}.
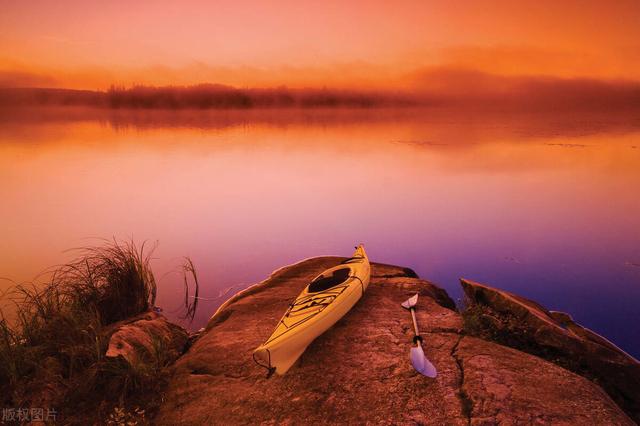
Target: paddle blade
{"points": [[410, 302], [421, 363]]}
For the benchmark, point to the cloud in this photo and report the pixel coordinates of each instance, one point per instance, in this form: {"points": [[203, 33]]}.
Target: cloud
{"points": [[621, 62], [470, 86]]}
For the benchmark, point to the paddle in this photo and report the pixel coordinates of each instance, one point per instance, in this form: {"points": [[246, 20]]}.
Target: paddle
{"points": [[417, 356]]}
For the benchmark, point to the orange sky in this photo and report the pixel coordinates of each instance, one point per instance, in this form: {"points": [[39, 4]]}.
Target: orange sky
{"points": [[80, 44]]}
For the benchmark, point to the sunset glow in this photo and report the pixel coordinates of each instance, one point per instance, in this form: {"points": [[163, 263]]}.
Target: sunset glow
{"points": [[79, 44], [182, 184]]}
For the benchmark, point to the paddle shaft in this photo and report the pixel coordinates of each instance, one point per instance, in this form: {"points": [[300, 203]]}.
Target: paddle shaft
{"points": [[415, 322]]}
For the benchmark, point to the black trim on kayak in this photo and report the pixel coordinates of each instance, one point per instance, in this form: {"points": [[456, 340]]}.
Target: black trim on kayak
{"points": [[361, 283], [322, 283], [352, 260]]}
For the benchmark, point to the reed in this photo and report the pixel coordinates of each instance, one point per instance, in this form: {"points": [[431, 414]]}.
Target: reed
{"points": [[60, 329]]}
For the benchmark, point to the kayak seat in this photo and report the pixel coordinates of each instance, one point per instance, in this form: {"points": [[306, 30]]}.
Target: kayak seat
{"points": [[323, 283]]}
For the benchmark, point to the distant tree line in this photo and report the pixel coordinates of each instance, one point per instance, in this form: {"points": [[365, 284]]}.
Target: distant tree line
{"points": [[205, 96], [538, 93]]}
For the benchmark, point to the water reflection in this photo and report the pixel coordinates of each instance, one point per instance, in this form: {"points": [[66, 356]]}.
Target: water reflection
{"points": [[540, 204]]}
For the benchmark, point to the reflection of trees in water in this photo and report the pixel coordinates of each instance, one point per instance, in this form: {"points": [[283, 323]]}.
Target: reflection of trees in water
{"points": [[424, 126]]}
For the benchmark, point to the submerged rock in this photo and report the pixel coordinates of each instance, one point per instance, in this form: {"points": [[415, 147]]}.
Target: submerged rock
{"points": [[359, 370], [147, 337], [528, 326]]}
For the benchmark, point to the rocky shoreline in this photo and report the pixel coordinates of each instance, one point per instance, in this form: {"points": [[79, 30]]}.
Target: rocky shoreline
{"points": [[504, 359]]}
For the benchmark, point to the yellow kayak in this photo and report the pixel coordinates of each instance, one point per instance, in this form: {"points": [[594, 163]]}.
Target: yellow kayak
{"points": [[320, 305]]}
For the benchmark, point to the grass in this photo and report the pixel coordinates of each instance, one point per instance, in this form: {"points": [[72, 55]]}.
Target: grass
{"points": [[53, 351]]}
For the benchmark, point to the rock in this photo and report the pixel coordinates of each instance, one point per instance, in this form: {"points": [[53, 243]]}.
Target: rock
{"points": [[359, 371], [555, 336], [141, 338], [494, 379], [567, 322]]}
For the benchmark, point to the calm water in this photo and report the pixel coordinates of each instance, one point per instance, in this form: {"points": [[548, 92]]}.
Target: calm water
{"points": [[543, 205]]}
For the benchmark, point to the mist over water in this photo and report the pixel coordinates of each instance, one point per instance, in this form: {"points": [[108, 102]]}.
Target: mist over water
{"points": [[545, 205]]}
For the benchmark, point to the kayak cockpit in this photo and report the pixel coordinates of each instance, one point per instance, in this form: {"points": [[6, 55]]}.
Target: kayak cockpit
{"points": [[338, 276]]}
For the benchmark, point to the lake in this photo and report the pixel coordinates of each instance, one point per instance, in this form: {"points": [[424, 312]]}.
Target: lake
{"points": [[546, 205]]}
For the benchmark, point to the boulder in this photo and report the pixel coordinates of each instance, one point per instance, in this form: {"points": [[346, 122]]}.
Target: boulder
{"points": [[358, 372], [528, 326], [147, 337]]}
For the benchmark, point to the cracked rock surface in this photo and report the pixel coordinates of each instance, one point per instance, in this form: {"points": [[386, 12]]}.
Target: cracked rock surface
{"points": [[556, 335], [358, 372]]}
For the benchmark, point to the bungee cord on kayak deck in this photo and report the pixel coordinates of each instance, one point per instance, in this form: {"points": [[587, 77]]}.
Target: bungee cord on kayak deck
{"points": [[304, 311]]}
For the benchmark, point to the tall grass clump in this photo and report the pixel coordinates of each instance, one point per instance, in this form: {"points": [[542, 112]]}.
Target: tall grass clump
{"points": [[59, 330], [115, 280]]}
